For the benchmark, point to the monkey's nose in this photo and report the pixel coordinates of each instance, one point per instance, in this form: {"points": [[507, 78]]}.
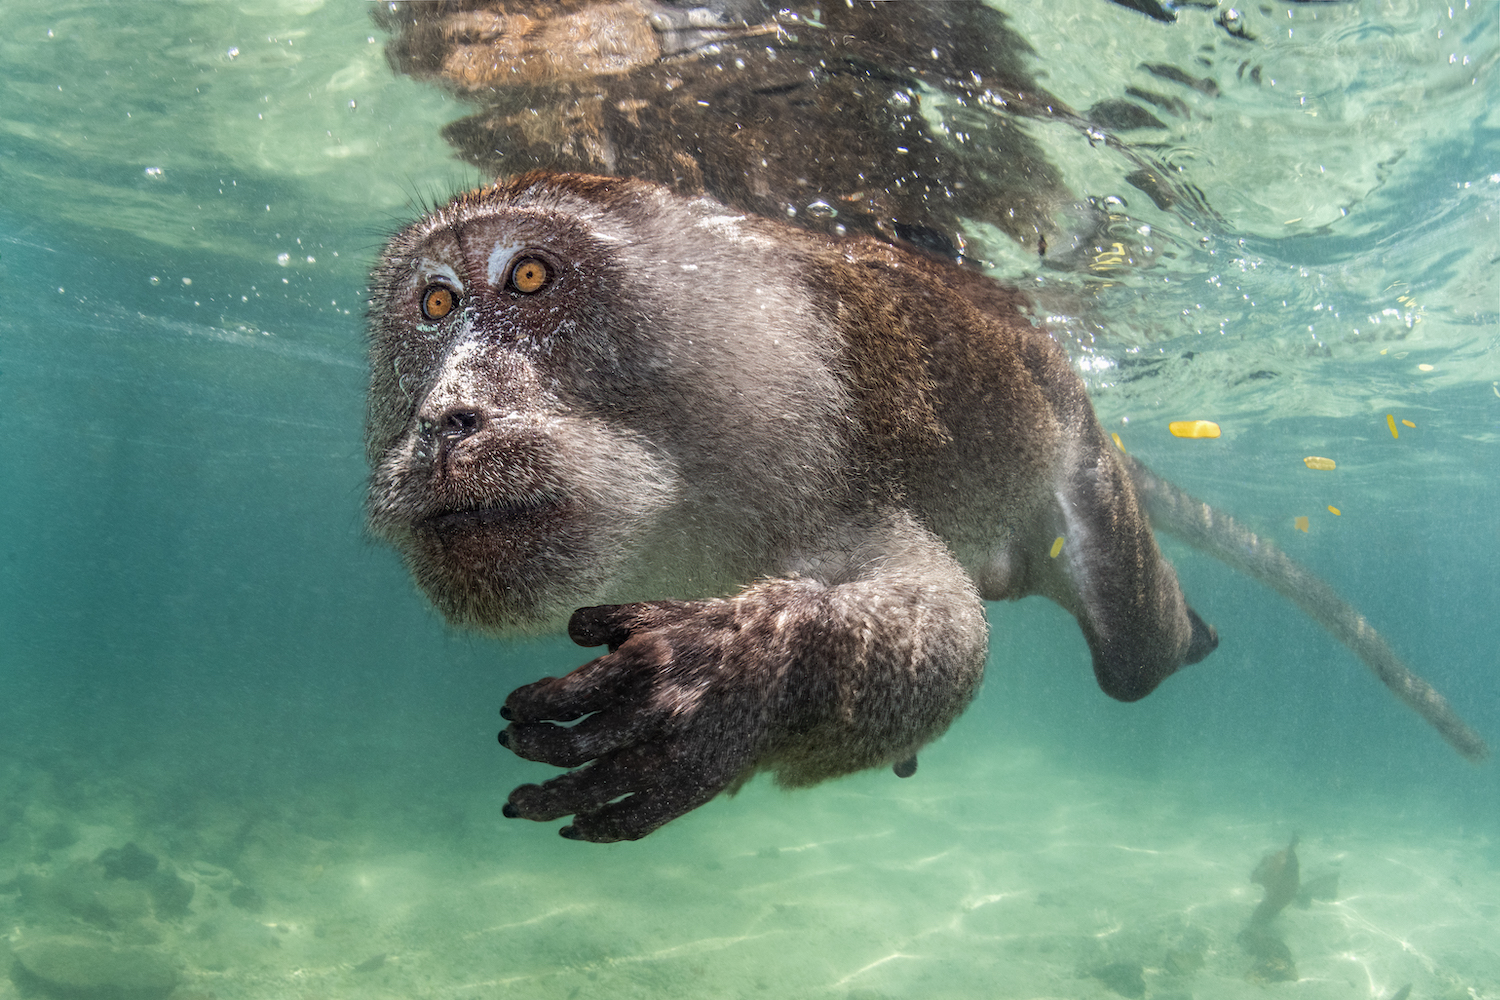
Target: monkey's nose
{"points": [[442, 431]]}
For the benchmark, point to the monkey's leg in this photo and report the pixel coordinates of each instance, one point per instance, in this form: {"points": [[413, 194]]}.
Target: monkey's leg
{"points": [[854, 660], [1111, 575]]}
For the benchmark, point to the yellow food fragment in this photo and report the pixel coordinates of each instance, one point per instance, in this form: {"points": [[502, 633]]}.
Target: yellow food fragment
{"points": [[1118, 443], [1314, 462], [1425, 368], [1408, 423], [1194, 429], [1334, 510], [1391, 423], [1301, 523], [1384, 349], [1057, 545]]}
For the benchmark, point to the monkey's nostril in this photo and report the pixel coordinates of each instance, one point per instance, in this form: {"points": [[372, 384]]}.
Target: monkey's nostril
{"points": [[457, 424]]}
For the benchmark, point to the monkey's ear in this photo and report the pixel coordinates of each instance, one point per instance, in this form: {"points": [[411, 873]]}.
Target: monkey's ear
{"points": [[1109, 573]]}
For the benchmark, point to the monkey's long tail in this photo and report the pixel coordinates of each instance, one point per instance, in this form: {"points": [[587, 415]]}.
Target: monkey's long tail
{"points": [[1206, 529]]}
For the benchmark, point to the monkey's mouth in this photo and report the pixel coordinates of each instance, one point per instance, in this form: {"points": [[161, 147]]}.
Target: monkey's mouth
{"points": [[502, 517], [486, 566]]}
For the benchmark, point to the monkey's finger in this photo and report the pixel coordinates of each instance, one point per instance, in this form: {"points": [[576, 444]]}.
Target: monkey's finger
{"points": [[573, 746], [608, 625], [583, 790], [612, 624], [594, 686], [635, 816]]}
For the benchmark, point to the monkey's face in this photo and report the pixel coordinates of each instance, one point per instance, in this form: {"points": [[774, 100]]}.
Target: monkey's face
{"points": [[498, 471], [578, 397]]}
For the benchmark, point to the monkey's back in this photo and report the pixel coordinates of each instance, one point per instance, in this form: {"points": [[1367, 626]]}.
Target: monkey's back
{"points": [[970, 407]]}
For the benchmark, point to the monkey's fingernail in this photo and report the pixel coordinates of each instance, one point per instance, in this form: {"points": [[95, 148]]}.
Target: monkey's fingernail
{"points": [[510, 812], [506, 715], [504, 738], [570, 832]]}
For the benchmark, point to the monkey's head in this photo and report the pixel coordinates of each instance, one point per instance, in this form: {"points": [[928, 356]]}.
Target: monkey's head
{"points": [[584, 391]]}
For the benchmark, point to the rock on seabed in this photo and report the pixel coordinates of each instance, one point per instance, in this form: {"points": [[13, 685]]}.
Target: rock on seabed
{"points": [[79, 968]]}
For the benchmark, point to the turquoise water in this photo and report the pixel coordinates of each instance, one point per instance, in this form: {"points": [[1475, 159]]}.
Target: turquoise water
{"points": [[201, 653]]}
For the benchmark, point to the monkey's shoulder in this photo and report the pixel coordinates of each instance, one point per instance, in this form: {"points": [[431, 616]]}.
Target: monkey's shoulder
{"points": [[940, 355]]}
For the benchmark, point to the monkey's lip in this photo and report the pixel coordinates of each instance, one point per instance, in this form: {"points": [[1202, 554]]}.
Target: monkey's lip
{"points": [[497, 515]]}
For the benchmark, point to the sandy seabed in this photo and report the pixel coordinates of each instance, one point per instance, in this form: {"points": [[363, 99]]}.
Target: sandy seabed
{"points": [[1013, 880]]}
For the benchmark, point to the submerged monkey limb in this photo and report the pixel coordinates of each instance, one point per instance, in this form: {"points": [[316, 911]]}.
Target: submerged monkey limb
{"points": [[808, 678], [1219, 535]]}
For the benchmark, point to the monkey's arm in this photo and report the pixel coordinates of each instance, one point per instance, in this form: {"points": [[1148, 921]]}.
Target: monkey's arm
{"points": [[855, 662]]}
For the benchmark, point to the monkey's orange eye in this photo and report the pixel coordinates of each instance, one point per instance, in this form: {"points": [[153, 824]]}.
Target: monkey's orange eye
{"points": [[529, 275], [438, 301]]}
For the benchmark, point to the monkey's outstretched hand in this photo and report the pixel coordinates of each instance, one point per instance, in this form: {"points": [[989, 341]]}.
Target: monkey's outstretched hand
{"points": [[673, 717], [795, 676]]}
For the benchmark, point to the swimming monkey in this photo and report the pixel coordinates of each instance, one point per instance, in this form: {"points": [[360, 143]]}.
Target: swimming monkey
{"points": [[775, 472]]}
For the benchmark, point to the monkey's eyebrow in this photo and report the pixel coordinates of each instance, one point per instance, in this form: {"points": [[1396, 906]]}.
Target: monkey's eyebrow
{"points": [[425, 269], [499, 261]]}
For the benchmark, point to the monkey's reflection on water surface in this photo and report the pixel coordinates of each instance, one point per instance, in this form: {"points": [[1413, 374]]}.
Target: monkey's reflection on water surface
{"points": [[903, 120], [776, 473]]}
